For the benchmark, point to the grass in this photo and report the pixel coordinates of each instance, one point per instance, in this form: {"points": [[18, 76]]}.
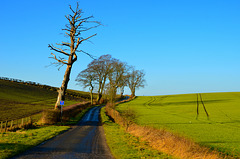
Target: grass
{"points": [[12, 143], [124, 145], [177, 113], [19, 100]]}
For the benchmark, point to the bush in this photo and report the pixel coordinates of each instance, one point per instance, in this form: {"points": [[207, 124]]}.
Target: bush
{"points": [[50, 117]]}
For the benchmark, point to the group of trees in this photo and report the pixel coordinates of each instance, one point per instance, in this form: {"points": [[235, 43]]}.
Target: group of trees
{"points": [[104, 73], [108, 74]]}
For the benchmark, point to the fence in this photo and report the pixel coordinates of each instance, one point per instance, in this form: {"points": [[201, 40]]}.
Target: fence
{"points": [[15, 124], [25, 122]]}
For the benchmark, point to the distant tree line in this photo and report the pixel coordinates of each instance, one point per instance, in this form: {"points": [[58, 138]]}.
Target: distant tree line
{"points": [[107, 75], [24, 82]]}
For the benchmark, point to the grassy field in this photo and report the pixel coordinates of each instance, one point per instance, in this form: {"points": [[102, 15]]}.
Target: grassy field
{"points": [[12, 143], [124, 145], [178, 113], [19, 100]]}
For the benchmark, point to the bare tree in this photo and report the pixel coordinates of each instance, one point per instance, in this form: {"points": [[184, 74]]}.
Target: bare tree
{"points": [[101, 67], [87, 78], [135, 80], [116, 76], [73, 30]]}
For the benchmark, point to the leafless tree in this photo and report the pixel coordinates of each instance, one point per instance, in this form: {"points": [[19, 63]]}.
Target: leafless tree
{"points": [[135, 80], [77, 24], [87, 78], [101, 67], [116, 76]]}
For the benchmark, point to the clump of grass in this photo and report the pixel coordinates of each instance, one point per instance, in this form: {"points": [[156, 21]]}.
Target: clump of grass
{"points": [[125, 145]]}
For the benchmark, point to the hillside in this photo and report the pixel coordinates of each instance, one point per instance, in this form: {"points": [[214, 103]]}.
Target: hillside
{"points": [[178, 114], [19, 99]]}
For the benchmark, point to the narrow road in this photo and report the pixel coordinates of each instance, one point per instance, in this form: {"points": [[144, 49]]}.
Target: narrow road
{"points": [[85, 140]]}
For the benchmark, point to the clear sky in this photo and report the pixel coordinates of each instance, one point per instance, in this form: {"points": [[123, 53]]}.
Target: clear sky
{"points": [[184, 46]]}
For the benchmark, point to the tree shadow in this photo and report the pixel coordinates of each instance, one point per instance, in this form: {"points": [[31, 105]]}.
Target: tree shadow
{"points": [[13, 149]]}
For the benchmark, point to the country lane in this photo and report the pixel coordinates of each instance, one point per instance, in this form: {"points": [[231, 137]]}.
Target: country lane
{"points": [[86, 140]]}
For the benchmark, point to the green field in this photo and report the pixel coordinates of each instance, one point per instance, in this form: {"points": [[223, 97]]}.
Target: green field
{"points": [[19, 100], [124, 145], [178, 113]]}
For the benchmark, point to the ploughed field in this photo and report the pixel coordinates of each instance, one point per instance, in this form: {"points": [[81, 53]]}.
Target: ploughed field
{"points": [[19, 100], [178, 114]]}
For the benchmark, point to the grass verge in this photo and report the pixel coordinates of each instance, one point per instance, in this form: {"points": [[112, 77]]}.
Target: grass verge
{"points": [[13, 143], [124, 145]]}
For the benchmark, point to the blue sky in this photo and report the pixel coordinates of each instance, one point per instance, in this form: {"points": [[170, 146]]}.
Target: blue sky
{"points": [[184, 46]]}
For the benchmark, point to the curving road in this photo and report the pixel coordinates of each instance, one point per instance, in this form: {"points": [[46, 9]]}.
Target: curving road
{"points": [[85, 140]]}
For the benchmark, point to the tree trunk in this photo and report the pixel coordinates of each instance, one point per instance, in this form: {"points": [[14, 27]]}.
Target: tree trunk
{"points": [[63, 88], [99, 98], [91, 94], [133, 92], [99, 92]]}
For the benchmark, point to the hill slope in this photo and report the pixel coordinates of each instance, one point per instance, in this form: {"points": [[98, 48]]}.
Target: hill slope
{"points": [[18, 100]]}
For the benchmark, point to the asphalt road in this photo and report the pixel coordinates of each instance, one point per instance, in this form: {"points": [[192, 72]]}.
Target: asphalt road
{"points": [[85, 140]]}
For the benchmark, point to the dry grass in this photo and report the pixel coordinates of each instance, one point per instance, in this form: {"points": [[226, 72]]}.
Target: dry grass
{"points": [[165, 141], [172, 144], [51, 116]]}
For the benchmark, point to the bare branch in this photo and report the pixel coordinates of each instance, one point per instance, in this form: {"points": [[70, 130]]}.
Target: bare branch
{"points": [[59, 60], [72, 9], [80, 41], [58, 49], [91, 56], [75, 58], [66, 44]]}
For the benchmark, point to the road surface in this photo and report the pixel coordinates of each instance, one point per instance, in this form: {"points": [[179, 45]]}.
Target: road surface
{"points": [[85, 140]]}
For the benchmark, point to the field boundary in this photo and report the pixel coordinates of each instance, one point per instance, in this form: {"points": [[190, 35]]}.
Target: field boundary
{"points": [[163, 140]]}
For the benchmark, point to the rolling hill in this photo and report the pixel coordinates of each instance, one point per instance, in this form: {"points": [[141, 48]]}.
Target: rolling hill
{"points": [[20, 99]]}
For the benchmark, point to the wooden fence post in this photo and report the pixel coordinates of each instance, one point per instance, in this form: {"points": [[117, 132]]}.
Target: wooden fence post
{"points": [[6, 124], [22, 123], [11, 125], [30, 120], [1, 125], [17, 124]]}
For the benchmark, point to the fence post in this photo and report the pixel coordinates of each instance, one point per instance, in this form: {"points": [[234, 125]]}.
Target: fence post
{"points": [[11, 125], [6, 124], [17, 124], [1, 125], [22, 123], [30, 120]]}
